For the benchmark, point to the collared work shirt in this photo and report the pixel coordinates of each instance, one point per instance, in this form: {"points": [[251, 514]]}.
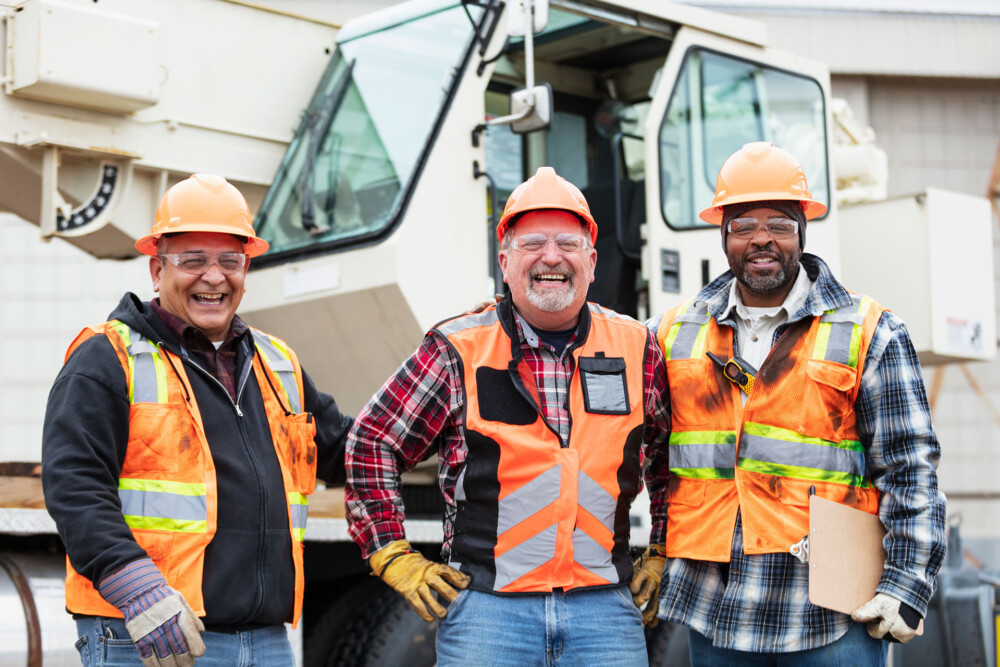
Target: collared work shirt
{"points": [[420, 410], [764, 605]]}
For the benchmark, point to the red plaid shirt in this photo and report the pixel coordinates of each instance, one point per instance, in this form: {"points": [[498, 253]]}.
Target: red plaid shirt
{"points": [[221, 362], [420, 408]]}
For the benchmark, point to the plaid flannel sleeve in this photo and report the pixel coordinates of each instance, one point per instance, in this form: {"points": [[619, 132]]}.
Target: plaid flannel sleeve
{"points": [[894, 423], [656, 438], [395, 431]]}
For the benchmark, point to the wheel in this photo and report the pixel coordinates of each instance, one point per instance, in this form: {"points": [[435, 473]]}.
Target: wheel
{"points": [[403, 638], [334, 636], [370, 625]]}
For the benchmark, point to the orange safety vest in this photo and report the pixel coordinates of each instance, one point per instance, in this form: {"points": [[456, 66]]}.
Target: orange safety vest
{"points": [[167, 484], [798, 430], [536, 513]]}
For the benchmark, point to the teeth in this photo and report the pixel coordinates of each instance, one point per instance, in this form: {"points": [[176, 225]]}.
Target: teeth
{"points": [[551, 276], [208, 297]]}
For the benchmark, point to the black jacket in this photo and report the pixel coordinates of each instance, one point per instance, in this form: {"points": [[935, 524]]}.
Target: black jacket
{"points": [[249, 576]]}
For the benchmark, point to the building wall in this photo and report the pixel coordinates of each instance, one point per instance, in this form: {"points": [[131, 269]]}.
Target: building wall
{"points": [[48, 292]]}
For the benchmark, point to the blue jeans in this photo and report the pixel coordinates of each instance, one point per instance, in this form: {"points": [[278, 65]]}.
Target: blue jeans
{"points": [[589, 627], [104, 642], [854, 649]]}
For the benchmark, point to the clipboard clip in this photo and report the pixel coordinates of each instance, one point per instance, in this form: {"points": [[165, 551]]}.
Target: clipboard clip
{"points": [[801, 549], [738, 371]]}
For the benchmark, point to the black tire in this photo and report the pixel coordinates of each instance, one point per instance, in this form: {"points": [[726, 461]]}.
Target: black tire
{"points": [[338, 637], [403, 638], [667, 645]]}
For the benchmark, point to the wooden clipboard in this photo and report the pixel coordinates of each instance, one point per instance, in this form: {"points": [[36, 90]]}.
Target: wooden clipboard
{"points": [[846, 556]]}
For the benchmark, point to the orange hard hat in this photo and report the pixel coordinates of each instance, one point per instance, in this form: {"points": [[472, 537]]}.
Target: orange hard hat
{"points": [[203, 203], [546, 190], [761, 171]]}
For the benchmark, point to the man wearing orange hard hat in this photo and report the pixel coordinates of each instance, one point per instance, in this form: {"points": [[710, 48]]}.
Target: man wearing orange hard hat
{"points": [[179, 446], [540, 409], [784, 385]]}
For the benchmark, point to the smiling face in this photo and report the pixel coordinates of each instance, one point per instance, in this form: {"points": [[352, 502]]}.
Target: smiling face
{"points": [[549, 287], [765, 268], [208, 301]]}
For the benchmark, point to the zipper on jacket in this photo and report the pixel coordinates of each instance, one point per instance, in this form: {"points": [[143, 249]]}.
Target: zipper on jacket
{"points": [[259, 601]]}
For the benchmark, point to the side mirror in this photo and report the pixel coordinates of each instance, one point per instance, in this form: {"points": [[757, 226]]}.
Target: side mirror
{"points": [[516, 17], [531, 108]]}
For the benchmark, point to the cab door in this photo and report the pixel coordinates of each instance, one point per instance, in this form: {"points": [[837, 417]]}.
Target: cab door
{"points": [[713, 95]]}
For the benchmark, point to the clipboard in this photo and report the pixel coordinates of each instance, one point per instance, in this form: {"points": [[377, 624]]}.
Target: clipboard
{"points": [[846, 556]]}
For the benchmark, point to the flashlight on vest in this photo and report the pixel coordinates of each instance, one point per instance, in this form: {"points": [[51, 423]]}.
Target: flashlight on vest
{"points": [[738, 371]]}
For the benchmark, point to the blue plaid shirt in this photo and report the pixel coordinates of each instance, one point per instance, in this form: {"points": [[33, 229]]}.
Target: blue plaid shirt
{"points": [[764, 606]]}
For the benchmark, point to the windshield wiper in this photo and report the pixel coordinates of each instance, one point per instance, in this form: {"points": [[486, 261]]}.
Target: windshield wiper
{"points": [[320, 122]]}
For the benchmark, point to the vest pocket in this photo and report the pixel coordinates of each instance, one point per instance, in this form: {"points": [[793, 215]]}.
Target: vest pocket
{"points": [[827, 399], [689, 380], [686, 492], [301, 436], [161, 437], [604, 388]]}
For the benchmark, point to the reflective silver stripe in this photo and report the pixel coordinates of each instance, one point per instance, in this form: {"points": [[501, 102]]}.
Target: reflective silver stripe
{"points": [[702, 456], [299, 514], [596, 500], [281, 366], [144, 389], [482, 319], [144, 373], [163, 505], [845, 314], [690, 323], [838, 347], [525, 557], [802, 454], [537, 494], [610, 314], [590, 555]]}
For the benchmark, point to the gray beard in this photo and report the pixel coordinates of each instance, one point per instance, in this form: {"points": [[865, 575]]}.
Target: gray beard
{"points": [[764, 285], [551, 301]]}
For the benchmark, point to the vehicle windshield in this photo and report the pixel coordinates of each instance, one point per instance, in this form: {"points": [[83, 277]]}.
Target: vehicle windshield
{"points": [[720, 103], [347, 170]]}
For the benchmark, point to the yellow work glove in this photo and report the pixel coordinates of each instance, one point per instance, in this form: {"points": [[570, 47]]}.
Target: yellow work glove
{"points": [[416, 578], [647, 570]]}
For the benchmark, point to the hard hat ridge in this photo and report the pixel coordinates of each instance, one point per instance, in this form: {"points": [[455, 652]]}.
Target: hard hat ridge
{"points": [[546, 190], [758, 172], [203, 203]]}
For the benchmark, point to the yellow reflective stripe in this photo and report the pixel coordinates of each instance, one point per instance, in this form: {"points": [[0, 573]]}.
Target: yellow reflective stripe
{"points": [[668, 342], [852, 358], [801, 472], [296, 498], [822, 339], [161, 377], [698, 349], [273, 344], [776, 433], [162, 486], [122, 332], [159, 523], [299, 534]]}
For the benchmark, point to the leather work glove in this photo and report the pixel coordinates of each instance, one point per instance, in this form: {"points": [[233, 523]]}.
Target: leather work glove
{"points": [[888, 618], [416, 578], [159, 620], [645, 586]]}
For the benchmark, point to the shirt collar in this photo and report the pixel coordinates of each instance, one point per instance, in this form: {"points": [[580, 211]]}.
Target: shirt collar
{"points": [[185, 331], [794, 300], [824, 293]]}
